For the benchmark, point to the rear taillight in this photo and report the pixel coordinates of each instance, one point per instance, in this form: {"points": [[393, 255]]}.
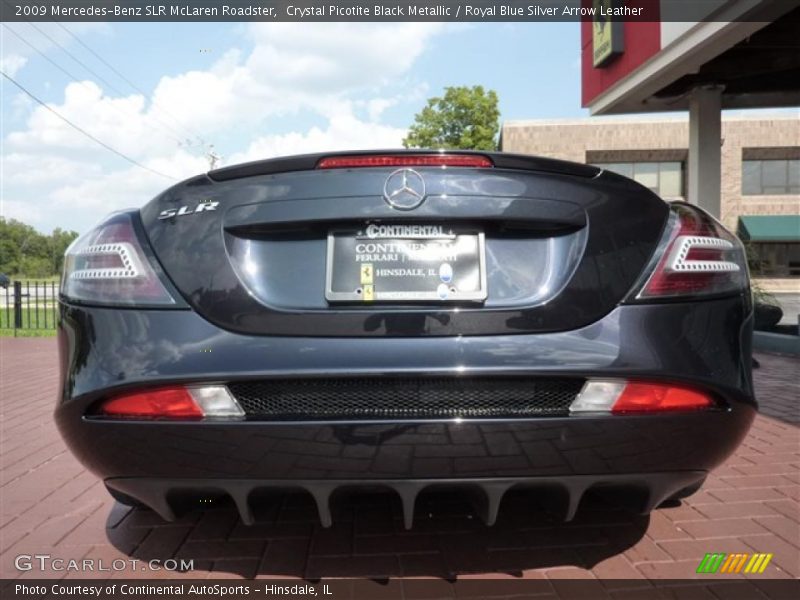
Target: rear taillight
{"points": [[620, 397], [648, 397], [405, 160], [108, 265], [697, 257], [164, 403], [175, 402]]}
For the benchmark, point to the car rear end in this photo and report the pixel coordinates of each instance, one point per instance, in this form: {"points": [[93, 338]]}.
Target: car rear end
{"points": [[405, 320]]}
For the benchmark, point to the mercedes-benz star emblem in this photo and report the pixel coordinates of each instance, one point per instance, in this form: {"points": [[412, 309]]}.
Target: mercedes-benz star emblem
{"points": [[404, 189]]}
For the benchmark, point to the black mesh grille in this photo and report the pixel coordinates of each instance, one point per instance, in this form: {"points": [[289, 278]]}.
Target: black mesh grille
{"points": [[406, 397]]}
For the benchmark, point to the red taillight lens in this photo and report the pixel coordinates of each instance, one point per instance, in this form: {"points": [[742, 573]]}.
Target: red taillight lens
{"points": [[619, 396], [109, 266], [405, 160], [649, 397], [173, 402], [699, 258], [162, 403]]}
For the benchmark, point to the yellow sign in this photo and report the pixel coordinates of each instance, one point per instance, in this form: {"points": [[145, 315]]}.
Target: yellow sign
{"points": [[366, 274], [369, 293], [606, 34]]}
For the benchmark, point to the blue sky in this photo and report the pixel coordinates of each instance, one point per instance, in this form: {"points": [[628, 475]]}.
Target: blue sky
{"points": [[253, 90]]}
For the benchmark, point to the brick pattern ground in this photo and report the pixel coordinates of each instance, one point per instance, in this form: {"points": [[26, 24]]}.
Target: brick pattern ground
{"points": [[49, 503]]}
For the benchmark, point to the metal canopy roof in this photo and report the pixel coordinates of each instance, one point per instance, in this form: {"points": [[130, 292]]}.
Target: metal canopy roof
{"points": [[769, 228], [761, 70], [750, 49]]}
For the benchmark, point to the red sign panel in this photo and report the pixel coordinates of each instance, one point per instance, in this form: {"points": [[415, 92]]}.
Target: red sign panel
{"points": [[641, 40]]}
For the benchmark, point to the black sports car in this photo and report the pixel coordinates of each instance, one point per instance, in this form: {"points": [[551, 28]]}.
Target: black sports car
{"points": [[404, 320]]}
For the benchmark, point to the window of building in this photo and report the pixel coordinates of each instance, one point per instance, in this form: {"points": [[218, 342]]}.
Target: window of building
{"points": [[664, 178], [769, 259], [770, 177]]}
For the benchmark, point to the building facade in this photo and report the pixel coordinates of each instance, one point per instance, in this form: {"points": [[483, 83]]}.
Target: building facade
{"points": [[760, 167]]}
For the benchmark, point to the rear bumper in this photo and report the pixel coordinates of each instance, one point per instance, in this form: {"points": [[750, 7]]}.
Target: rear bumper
{"points": [[706, 344], [588, 445], [644, 491]]}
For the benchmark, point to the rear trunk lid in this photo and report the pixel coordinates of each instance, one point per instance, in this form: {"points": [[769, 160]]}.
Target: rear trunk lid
{"points": [[282, 247]]}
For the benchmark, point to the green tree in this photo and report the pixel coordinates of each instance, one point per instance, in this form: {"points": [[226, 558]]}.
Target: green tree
{"points": [[59, 240], [36, 267], [26, 252], [465, 118]]}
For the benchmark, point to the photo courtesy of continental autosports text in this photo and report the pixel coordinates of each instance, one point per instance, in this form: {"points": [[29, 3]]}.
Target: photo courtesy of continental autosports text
{"points": [[399, 299], [219, 590]]}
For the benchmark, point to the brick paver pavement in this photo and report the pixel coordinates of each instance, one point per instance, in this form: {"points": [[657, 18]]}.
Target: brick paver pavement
{"points": [[50, 504]]}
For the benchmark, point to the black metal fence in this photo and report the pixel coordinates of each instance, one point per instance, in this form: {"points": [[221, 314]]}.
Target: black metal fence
{"points": [[29, 306]]}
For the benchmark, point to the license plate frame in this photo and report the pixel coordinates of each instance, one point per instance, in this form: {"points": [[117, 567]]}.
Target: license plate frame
{"points": [[471, 287]]}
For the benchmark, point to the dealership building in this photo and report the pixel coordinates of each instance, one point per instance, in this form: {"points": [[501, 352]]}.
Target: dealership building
{"points": [[745, 170], [759, 166]]}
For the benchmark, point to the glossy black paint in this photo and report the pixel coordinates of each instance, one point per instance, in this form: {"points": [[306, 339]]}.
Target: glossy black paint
{"points": [[704, 344], [599, 229], [620, 220], [644, 491], [307, 162]]}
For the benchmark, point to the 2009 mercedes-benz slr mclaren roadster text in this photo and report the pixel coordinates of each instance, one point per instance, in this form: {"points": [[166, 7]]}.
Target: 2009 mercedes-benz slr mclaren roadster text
{"points": [[403, 320]]}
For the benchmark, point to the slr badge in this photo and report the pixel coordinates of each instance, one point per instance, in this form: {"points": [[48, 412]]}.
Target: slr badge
{"points": [[188, 210]]}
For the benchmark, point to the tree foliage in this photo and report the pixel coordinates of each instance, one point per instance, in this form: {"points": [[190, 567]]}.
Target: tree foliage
{"points": [[25, 251], [465, 118]]}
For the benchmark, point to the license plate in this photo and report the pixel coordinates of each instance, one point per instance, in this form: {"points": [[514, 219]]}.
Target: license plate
{"points": [[399, 263]]}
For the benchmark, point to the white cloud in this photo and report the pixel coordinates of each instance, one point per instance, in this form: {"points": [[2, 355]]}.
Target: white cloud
{"points": [[49, 169], [376, 106], [344, 75], [10, 64], [121, 123], [343, 132], [27, 212], [42, 37], [323, 58], [84, 192], [294, 67], [125, 188]]}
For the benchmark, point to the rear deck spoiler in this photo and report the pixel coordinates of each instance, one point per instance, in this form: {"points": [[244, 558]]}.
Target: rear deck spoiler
{"points": [[309, 162]]}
